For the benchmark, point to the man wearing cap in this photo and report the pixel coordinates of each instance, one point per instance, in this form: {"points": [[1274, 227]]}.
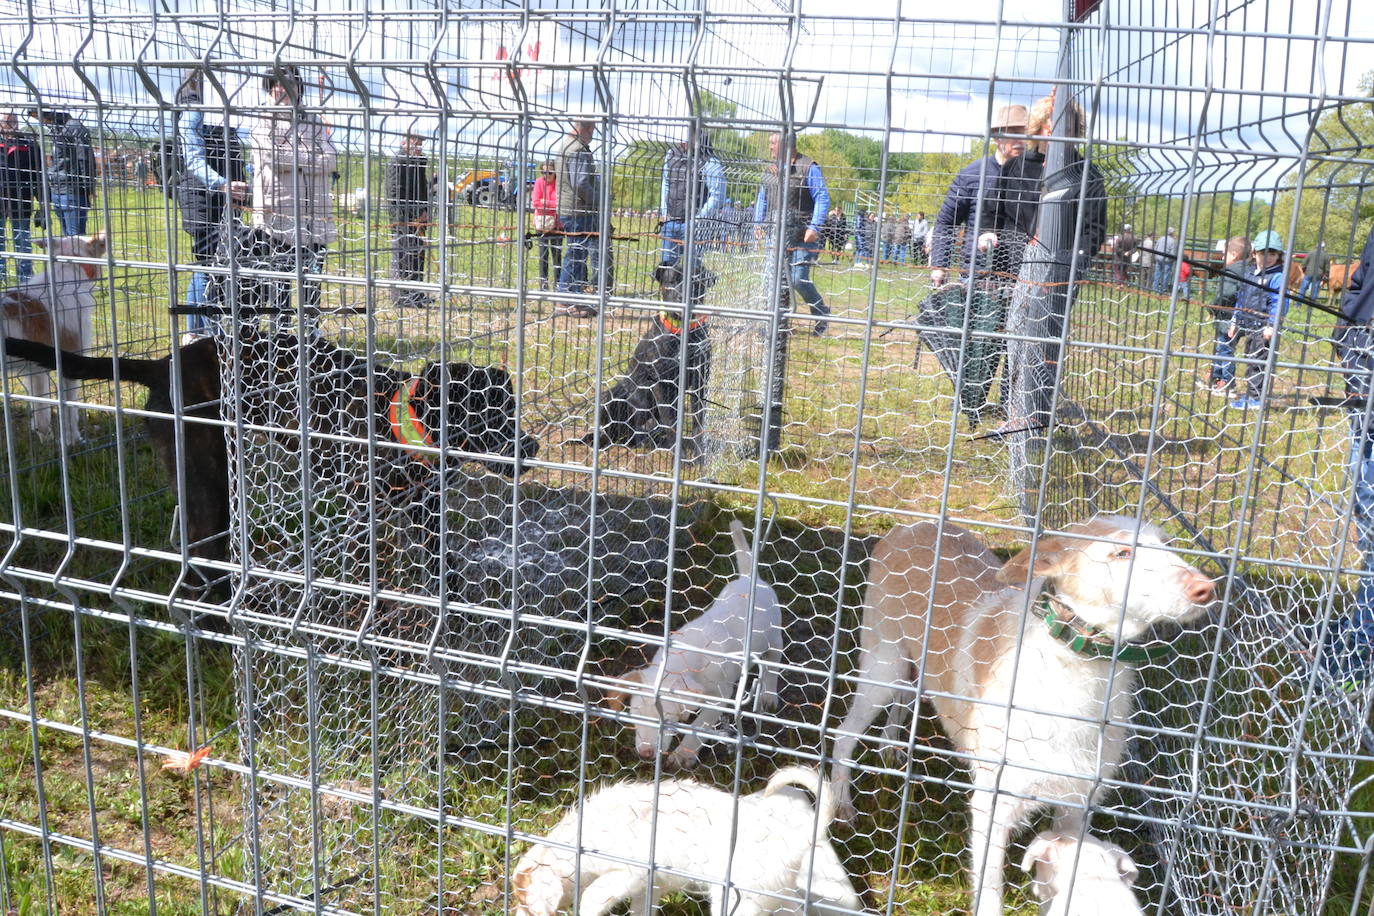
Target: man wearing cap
{"points": [[970, 202], [407, 188], [1350, 641]]}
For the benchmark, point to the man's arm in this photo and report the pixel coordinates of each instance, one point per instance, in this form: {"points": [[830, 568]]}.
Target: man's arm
{"points": [[953, 212], [820, 197], [713, 173], [193, 159], [663, 193]]}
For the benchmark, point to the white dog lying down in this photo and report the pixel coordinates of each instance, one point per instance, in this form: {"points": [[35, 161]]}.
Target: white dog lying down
{"points": [[1088, 878], [1036, 698], [781, 854], [705, 658]]}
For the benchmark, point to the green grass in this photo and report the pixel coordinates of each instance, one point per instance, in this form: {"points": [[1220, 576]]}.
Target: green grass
{"points": [[902, 463]]}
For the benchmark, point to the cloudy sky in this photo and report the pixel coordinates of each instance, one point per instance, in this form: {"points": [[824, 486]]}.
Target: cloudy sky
{"points": [[1166, 76]]}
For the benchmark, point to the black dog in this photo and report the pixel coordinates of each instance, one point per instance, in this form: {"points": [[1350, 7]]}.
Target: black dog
{"points": [[480, 414], [641, 407]]}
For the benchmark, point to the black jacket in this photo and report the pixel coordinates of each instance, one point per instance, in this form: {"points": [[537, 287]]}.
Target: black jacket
{"points": [[73, 161], [1229, 283], [407, 189], [1354, 335], [1020, 189], [21, 164]]}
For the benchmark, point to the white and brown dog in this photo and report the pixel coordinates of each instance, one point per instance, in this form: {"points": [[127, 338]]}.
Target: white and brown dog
{"points": [[704, 658], [770, 845], [1035, 701], [54, 307]]}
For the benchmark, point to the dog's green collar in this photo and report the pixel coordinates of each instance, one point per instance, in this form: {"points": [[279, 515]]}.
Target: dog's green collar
{"points": [[1089, 641]]}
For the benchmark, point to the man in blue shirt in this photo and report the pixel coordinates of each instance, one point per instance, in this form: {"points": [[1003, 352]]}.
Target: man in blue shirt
{"points": [[970, 202], [690, 197], [801, 201], [213, 175]]}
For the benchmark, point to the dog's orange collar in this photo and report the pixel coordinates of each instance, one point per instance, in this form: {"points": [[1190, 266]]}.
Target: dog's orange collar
{"points": [[673, 326], [406, 428]]}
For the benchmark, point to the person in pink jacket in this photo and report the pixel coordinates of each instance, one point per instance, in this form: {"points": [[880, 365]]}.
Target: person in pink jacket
{"points": [[546, 226]]}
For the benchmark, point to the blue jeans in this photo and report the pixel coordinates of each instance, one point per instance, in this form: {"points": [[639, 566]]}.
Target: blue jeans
{"points": [[1350, 642], [19, 229], [1163, 274], [582, 261], [70, 211], [1223, 368], [1311, 287], [801, 256], [199, 323]]}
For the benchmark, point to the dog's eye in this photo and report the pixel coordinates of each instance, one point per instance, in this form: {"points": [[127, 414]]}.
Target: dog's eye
{"points": [[1122, 553]]}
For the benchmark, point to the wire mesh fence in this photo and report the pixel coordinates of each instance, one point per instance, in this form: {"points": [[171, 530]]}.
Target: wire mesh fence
{"points": [[506, 459]]}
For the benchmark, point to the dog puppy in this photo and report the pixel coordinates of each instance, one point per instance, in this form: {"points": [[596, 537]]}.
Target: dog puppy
{"points": [[53, 305], [705, 658], [1025, 702], [641, 407], [772, 845], [1087, 878], [479, 417]]}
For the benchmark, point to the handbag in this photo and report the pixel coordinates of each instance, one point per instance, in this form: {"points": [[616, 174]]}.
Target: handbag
{"points": [[545, 222]]}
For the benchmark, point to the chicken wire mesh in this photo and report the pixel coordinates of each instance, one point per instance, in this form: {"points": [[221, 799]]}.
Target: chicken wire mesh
{"points": [[410, 517]]}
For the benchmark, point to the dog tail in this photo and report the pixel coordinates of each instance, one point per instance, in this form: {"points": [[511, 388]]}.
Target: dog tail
{"points": [[146, 372], [812, 781], [744, 557]]}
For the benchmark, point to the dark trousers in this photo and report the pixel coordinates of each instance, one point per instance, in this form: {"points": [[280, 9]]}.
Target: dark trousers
{"points": [[1256, 348], [408, 253], [550, 256]]}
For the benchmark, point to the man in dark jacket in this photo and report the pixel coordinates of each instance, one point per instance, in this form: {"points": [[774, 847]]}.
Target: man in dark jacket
{"points": [[20, 167], [692, 192], [971, 201], [579, 210], [407, 200], [1223, 308], [1350, 646], [71, 174]]}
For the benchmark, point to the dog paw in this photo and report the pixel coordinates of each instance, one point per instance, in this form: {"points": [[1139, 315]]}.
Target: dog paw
{"points": [[684, 761]]}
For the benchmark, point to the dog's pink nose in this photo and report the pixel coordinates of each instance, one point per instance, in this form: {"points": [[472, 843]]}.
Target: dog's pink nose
{"points": [[1199, 588]]}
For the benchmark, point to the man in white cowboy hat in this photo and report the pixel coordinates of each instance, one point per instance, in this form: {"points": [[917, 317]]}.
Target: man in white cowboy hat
{"points": [[969, 201]]}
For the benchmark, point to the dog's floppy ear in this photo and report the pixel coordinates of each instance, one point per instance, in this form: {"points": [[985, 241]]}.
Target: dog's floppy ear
{"points": [[1050, 554]]}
